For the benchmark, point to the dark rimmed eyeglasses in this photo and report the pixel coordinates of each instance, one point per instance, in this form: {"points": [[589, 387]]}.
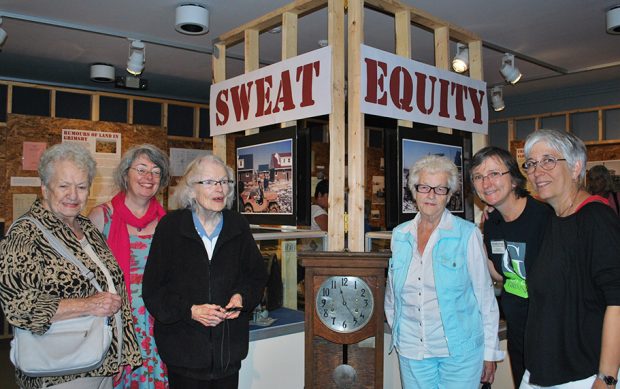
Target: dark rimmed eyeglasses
{"points": [[491, 176], [439, 190], [547, 163], [143, 171], [211, 183]]}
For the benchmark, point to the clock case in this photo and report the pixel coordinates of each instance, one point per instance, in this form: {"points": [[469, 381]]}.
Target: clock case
{"points": [[326, 349]]}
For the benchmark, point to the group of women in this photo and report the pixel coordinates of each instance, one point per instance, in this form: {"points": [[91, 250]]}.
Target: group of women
{"points": [[557, 261], [186, 282]]}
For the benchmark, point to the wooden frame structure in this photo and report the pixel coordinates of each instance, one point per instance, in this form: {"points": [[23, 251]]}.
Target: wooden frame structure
{"points": [[287, 17]]}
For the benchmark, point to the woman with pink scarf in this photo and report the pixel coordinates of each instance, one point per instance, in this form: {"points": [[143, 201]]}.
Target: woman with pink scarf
{"points": [[128, 222]]}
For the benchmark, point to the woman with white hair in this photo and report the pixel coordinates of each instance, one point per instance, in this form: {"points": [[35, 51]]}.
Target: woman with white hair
{"points": [[202, 281], [572, 335], [440, 301]]}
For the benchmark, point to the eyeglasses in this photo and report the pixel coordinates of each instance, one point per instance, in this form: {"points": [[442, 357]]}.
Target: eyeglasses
{"points": [[492, 176], [439, 190], [547, 163], [143, 172], [210, 183]]}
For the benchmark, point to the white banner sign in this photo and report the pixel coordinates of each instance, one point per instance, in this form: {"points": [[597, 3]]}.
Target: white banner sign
{"points": [[401, 88], [293, 89]]}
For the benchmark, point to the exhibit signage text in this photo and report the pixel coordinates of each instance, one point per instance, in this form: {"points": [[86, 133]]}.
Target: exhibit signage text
{"points": [[293, 89], [401, 88]]}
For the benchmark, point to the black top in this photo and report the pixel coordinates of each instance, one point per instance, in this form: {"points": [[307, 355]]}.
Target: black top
{"points": [[576, 276], [178, 274], [513, 247]]}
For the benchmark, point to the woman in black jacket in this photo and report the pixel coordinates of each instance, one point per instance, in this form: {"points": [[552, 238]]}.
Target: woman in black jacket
{"points": [[202, 281]]}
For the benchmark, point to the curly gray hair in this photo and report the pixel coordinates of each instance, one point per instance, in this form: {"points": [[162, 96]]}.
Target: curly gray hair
{"points": [[66, 152], [434, 164]]}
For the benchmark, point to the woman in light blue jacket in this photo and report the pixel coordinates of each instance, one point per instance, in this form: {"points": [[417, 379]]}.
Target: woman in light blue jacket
{"points": [[440, 302]]}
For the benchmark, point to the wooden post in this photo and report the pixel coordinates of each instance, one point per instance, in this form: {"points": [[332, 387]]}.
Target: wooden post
{"points": [[442, 58], [289, 43], [403, 44], [219, 74], [251, 50], [335, 220], [356, 151], [478, 141]]}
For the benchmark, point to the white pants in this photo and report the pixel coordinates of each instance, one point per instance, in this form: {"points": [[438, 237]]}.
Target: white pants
{"points": [[581, 384]]}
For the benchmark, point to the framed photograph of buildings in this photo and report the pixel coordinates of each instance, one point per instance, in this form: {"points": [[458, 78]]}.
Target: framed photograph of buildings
{"points": [[269, 187]]}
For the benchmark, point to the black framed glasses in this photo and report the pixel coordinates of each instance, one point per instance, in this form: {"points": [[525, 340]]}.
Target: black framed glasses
{"points": [[439, 190], [491, 176], [547, 163], [144, 171], [211, 183]]}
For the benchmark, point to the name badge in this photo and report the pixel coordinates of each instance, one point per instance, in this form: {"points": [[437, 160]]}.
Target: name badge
{"points": [[498, 247]]}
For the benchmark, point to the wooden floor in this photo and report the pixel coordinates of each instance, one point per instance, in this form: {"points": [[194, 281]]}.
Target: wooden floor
{"points": [[7, 372]]}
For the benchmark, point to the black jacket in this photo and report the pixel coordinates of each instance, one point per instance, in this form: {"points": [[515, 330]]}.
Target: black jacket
{"points": [[178, 274]]}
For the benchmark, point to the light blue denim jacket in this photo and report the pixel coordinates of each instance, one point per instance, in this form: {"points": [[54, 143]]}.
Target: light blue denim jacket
{"points": [[467, 322]]}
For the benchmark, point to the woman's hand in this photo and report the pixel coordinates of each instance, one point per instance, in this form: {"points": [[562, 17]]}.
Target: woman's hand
{"points": [[104, 303], [488, 372], [234, 306], [209, 315]]}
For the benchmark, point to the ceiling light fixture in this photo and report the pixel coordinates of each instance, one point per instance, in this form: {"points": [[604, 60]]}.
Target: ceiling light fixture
{"points": [[192, 19], [102, 72], [508, 69], [2, 34], [497, 98], [460, 63], [613, 20], [137, 57]]}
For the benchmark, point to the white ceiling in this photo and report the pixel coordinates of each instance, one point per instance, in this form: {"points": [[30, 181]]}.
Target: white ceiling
{"points": [[55, 42]]}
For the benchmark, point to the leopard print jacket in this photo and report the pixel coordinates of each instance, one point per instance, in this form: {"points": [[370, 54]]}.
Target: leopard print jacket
{"points": [[34, 278]]}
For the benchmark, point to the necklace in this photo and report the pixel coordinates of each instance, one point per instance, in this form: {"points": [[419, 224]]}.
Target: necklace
{"points": [[570, 206]]}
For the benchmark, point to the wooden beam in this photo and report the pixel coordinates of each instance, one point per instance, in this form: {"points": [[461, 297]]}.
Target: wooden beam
{"points": [[442, 58], [251, 50], [219, 74], [356, 151], [94, 108], [270, 20], [337, 131], [402, 26], [289, 43], [476, 72]]}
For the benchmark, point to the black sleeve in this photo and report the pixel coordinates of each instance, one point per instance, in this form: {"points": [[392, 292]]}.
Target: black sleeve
{"points": [[604, 230], [161, 300], [253, 275]]}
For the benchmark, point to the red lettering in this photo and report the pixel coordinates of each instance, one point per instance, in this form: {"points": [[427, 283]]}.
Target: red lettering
{"points": [[263, 95], [306, 73], [375, 80], [285, 94], [401, 101], [421, 92], [221, 108], [443, 98], [477, 97], [241, 100], [458, 103]]}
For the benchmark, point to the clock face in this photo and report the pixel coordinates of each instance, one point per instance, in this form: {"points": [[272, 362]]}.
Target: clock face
{"points": [[344, 304]]}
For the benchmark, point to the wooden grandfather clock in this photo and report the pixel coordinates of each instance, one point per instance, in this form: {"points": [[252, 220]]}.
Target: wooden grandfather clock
{"points": [[344, 319]]}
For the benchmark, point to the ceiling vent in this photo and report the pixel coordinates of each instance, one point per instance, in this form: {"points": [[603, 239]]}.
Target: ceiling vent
{"points": [[613, 20]]}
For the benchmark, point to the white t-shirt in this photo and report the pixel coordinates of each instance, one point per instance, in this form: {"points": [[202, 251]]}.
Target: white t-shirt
{"points": [[315, 211]]}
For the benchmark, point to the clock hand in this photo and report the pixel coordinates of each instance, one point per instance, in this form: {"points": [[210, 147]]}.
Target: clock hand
{"points": [[345, 304]]}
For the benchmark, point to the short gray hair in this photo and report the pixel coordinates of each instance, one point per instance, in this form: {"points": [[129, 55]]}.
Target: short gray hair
{"points": [[158, 157], [66, 152], [434, 164], [185, 189], [568, 145]]}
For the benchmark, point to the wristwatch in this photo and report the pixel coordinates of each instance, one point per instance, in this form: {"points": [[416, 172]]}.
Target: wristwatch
{"points": [[607, 379]]}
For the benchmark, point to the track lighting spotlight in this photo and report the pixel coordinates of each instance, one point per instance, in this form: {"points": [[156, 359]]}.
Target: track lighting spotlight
{"points": [[460, 63], [497, 98], [137, 57], [508, 70], [2, 34]]}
